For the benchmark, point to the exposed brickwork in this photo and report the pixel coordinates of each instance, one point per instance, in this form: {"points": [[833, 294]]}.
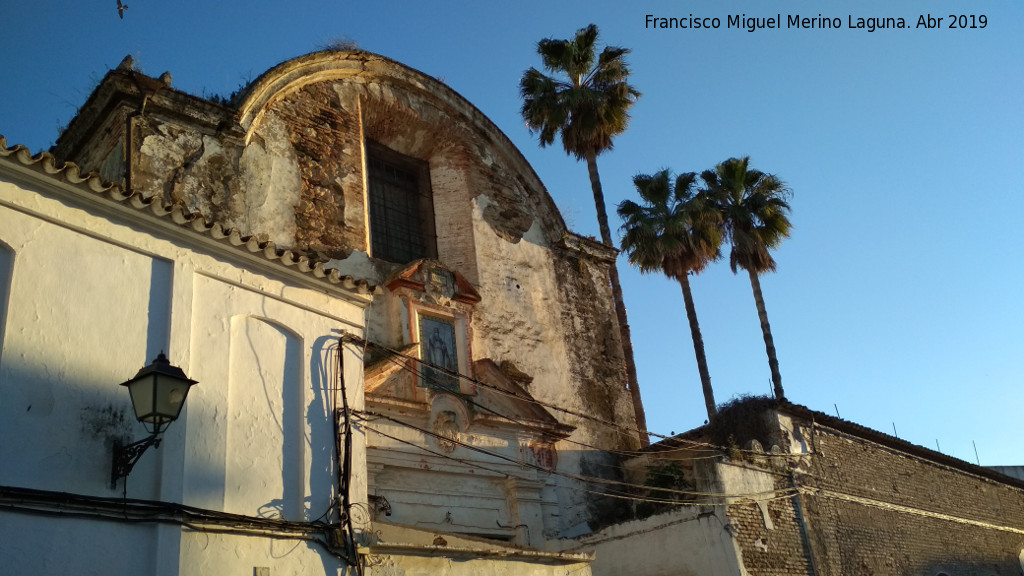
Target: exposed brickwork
{"points": [[871, 505], [328, 145], [855, 538], [776, 551]]}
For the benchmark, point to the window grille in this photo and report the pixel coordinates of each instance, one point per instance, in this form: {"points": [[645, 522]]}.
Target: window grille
{"points": [[401, 207]]}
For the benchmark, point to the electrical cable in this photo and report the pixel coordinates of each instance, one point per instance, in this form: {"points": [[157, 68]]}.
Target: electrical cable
{"points": [[627, 453], [689, 444], [346, 467], [68, 505], [523, 463], [618, 468], [469, 463], [503, 391], [771, 496], [611, 493]]}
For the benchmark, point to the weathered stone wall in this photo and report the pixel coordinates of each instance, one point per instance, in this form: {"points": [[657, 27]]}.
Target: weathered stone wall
{"points": [[872, 505], [184, 165], [769, 537], [911, 515], [288, 165], [547, 310], [323, 134], [685, 541]]}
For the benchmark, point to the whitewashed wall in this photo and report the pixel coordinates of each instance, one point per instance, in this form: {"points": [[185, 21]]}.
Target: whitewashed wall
{"points": [[85, 301], [687, 541]]}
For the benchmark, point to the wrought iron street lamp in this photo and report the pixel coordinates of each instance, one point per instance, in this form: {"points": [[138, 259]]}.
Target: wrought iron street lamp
{"points": [[158, 392]]}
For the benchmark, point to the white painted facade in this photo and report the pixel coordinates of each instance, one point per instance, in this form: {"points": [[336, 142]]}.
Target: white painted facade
{"points": [[687, 541], [482, 475], [91, 290]]}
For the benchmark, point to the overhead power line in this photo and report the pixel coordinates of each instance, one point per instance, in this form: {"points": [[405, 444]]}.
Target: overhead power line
{"points": [[695, 445], [531, 465]]}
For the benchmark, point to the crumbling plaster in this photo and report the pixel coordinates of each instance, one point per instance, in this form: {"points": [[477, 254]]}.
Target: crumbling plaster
{"points": [[542, 291], [290, 167], [403, 551], [289, 163]]}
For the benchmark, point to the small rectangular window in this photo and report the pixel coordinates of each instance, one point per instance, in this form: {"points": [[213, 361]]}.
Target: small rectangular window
{"points": [[401, 206]]}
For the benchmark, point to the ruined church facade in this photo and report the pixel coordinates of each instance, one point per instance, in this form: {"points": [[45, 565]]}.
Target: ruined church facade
{"points": [[492, 365]]}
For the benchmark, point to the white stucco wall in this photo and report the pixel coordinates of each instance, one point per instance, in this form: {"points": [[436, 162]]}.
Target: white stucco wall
{"points": [[404, 551], [687, 541], [86, 300]]}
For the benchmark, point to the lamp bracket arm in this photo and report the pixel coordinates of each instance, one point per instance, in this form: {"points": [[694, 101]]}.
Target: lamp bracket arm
{"points": [[126, 456]]}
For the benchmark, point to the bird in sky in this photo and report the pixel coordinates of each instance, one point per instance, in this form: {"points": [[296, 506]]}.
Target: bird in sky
{"points": [[120, 9]]}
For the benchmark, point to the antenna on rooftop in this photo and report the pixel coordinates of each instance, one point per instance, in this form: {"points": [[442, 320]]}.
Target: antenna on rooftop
{"points": [[837, 410], [937, 447], [978, 460], [894, 430]]}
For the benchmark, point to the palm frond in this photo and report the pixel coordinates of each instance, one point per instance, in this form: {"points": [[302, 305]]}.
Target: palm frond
{"points": [[754, 212], [585, 96], [674, 231]]}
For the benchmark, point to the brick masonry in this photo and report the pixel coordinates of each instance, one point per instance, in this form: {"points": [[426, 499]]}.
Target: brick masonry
{"points": [[874, 505]]}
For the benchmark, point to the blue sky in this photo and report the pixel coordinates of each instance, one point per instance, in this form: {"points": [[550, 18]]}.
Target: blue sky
{"points": [[898, 297]]}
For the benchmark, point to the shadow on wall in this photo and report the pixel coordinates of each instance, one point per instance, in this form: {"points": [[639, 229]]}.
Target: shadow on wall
{"points": [[6, 271], [276, 406], [61, 423], [60, 429], [158, 325], [324, 378]]}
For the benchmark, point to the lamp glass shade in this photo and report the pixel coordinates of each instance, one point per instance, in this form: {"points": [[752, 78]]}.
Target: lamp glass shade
{"points": [[158, 392]]}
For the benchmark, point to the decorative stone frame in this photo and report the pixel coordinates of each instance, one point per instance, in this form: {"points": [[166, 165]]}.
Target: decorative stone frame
{"points": [[461, 321], [427, 289]]}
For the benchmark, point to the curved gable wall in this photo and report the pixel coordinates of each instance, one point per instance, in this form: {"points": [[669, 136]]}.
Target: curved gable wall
{"points": [[331, 103], [289, 165], [545, 307]]}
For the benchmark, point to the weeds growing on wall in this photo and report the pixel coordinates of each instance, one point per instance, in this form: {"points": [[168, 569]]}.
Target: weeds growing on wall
{"points": [[741, 420], [671, 476]]}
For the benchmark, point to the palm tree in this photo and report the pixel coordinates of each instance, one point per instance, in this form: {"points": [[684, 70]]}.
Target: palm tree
{"points": [[587, 101], [754, 211], [675, 232]]}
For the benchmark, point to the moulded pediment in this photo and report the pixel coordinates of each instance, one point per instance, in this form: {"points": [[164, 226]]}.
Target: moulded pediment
{"points": [[434, 280], [502, 395]]}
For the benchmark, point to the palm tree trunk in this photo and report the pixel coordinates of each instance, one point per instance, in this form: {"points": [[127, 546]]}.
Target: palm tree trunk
{"points": [[698, 348], [766, 329], [620, 304]]}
